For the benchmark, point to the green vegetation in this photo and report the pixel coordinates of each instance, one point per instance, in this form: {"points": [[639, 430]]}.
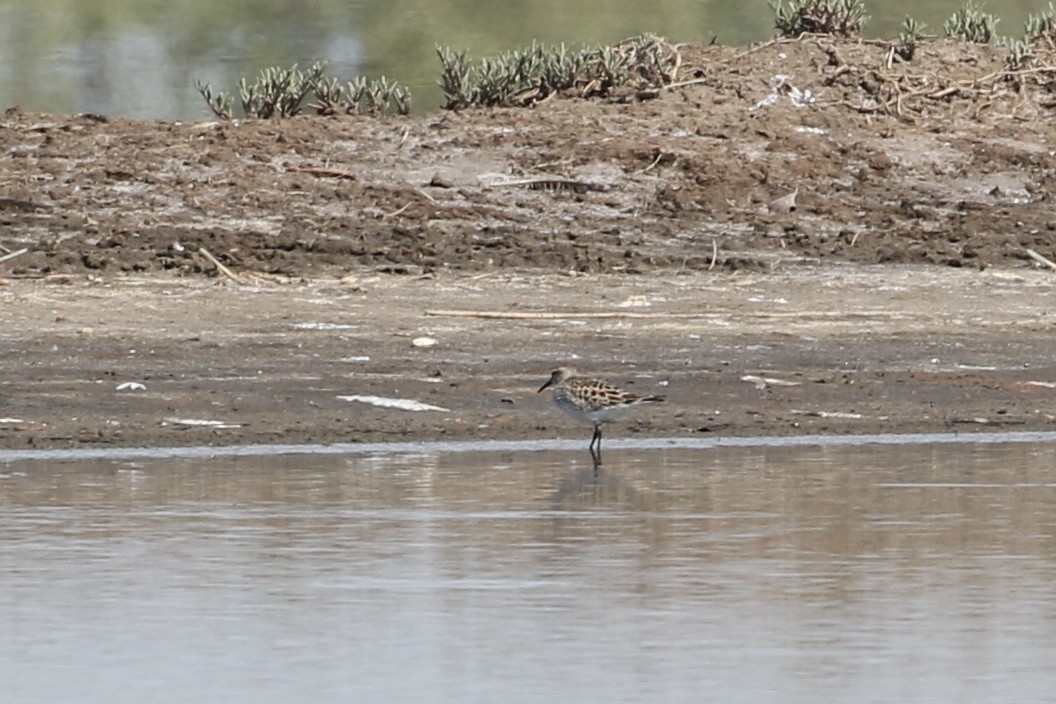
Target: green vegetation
{"points": [[1042, 27], [1020, 53], [526, 76], [794, 18], [639, 67], [911, 34], [282, 92], [844, 18], [971, 24], [1039, 37]]}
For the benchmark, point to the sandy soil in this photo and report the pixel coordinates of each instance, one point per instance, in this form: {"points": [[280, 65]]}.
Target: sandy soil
{"points": [[656, 245]]}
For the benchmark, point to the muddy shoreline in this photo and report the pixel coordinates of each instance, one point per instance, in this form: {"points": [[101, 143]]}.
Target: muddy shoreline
{"points": [[846, 349]]}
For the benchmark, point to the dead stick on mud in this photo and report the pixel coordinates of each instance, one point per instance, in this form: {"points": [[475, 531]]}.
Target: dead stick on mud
{"points": [[680, 84], [1033, 255], [551, 184], [714, 253], [397, 212], [319, 171], [757, 47], [655, 162], [595, 315], [12, 255], [528, 315], [220, 267]]}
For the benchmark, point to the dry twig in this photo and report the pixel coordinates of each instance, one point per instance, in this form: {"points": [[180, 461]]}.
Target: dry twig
{"points": [[12, 255], [683, 84], [1040, 259], [398, 211], [759, 47], [321, 171], [552, 184], [655, 161], [220, 267], [600, 315]]}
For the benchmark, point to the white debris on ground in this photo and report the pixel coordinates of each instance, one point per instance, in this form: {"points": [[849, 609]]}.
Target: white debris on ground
{"points": [[828, 414], [404, 404], [780, 86], [636, 302], [761, 382], [131, 386], [197, 423], [324, 326]]}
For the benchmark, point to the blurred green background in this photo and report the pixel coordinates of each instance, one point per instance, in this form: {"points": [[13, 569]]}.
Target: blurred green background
{"points": [[140, 58]]}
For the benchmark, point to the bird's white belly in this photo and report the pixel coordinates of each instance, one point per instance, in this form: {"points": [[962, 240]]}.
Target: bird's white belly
{"points": [[586, 414]]}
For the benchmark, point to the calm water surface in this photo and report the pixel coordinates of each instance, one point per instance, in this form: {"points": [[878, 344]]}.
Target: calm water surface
{"points": [[140, 58], [856, 574]]}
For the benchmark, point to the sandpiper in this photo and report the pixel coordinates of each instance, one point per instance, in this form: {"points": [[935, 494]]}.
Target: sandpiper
{"points": [[592, 400]]}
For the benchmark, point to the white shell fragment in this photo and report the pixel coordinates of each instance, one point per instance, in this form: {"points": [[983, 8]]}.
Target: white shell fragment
{"points": [[131, 386], [780, 86], [423, 342], [761, 382], [784, 204], [195, 422], [829, 414], [404, 404], [324, 326], [636, 302]]}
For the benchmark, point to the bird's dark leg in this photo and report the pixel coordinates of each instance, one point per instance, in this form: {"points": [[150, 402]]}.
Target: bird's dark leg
{"points": [[596, 454]]}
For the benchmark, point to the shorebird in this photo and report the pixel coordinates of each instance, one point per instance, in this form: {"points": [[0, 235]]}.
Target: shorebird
{"points": [[591, 400]]}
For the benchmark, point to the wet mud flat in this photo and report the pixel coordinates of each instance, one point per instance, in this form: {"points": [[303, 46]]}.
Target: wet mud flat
{"points": [[838, 349]]}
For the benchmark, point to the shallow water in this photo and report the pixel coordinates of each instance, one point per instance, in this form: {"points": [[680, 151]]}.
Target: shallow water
{"points": [[140, 58], [758, 574]]}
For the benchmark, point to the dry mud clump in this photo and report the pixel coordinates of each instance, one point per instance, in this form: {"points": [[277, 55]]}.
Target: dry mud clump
{"points": [[789, 151]]}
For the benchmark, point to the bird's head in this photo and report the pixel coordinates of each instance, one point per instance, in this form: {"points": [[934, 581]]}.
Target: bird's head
{"points": [[557, 376]]}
